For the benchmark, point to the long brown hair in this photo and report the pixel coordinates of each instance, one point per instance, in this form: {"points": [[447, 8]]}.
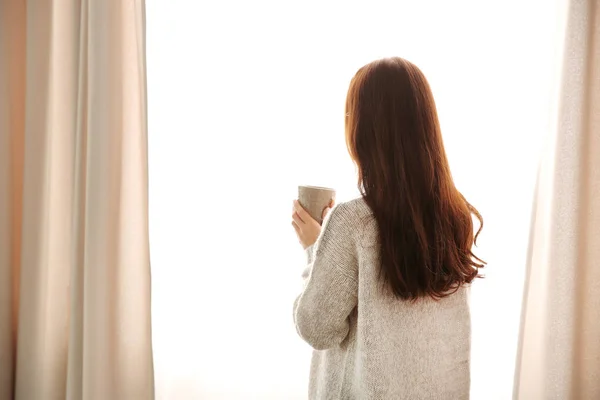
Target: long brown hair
{"points": [[425, 224]]}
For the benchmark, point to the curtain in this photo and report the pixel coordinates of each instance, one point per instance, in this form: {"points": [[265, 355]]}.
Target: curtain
{"points": [[559, 350], [74, 257]]}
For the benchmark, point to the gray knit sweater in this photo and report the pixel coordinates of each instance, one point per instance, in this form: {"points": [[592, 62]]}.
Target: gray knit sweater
{"points": [[368, 344]]}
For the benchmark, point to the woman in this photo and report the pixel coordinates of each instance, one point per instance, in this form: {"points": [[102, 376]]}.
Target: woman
{"points": [[385, 303]]}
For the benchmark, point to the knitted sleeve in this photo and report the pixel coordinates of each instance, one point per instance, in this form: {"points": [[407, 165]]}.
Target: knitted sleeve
{"points": [[330, 293]]}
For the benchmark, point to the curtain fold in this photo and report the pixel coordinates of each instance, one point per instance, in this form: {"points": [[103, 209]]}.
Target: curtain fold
{"points": [[559, 351], [74, 256]]}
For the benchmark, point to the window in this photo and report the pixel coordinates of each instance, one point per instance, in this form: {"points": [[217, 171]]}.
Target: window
{"points": [[246, 101]]}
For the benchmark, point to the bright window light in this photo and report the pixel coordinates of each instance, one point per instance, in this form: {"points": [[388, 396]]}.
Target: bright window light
{"points": [[246, 101]]}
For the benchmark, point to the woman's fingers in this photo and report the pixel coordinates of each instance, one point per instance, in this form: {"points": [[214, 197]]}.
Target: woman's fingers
{"points": [[307, 229], [328, 208], [297, 220], [302, 213]]}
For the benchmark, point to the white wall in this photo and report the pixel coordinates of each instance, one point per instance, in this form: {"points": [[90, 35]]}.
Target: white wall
{"points": [[246, 101]]}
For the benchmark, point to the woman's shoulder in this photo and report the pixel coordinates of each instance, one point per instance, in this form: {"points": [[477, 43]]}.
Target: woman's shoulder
{"points": [[352, 209], [355, 219], [353, 214]]}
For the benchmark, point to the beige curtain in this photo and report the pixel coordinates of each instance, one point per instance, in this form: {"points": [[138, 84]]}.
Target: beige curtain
{"points": [[559, 354], [74, 258]]}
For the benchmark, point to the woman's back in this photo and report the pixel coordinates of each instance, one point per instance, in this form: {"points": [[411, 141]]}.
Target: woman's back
{"points": [[385, 302], [387, 348]]}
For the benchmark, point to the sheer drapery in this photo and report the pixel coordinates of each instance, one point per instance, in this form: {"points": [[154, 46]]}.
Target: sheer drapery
{"points": [[559, 356], [74, 258]]}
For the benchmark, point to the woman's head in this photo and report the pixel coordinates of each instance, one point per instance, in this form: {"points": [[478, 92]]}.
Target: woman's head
{"points": [[425, 224]]}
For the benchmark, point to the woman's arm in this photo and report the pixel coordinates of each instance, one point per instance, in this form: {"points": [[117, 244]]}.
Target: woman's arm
{"points": [[331, 284]]}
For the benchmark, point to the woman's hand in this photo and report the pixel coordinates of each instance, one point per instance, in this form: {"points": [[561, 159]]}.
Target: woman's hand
{"points": [[307, 229]]}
